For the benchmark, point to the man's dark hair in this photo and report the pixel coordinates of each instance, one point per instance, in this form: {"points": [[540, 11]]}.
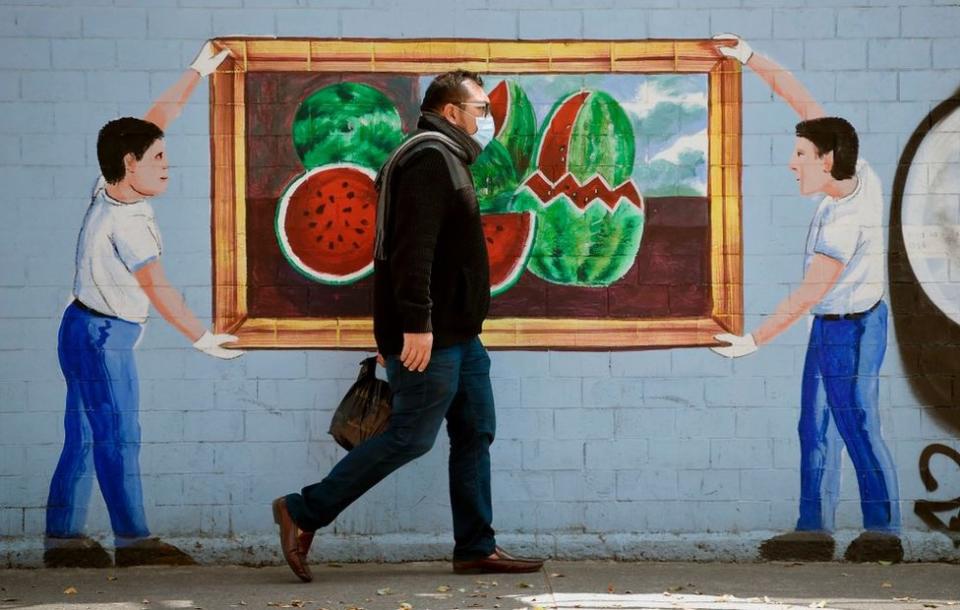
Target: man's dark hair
{"points": [[833, 134], [120, 137], [447, 89]]}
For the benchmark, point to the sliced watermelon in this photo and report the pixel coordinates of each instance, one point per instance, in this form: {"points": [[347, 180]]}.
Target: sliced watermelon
{"points": [[326, 223], [509, 240]]}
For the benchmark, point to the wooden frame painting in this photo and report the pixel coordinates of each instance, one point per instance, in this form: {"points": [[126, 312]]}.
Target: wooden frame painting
{"points": [[554, 306]]}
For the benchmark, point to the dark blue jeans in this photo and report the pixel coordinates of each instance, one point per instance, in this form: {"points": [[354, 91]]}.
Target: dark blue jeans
{"points": [[101, 425], [455, 386], [839, 408]]}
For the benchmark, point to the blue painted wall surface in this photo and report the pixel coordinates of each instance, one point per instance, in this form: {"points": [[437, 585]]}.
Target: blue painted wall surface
{"points": [[645, 453]]}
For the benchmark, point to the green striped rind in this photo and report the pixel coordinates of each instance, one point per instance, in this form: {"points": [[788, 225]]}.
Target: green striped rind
{"points": [[602, 141], [519, 132], [494, 178], [346, 123], [574, 247]]}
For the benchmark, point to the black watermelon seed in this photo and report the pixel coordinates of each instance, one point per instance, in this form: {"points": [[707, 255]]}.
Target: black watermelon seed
{"points": [[348, 209], [312, 225], [359, 231], [350, 195], [356, 246], [329, 224], [499, 227], [339, 237], [489, 240], [345, 184], [366, 205], [364, 221], [330, 246], [319, 238], [319, 193], [331, 198]]}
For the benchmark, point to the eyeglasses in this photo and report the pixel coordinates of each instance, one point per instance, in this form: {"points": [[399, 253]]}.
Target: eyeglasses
{"points": [[483, 106]]}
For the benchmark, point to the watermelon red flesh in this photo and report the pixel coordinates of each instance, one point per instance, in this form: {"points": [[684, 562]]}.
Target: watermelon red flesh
{"points": [[329, 224], [509, 240], [552, 156], [499, 102]]}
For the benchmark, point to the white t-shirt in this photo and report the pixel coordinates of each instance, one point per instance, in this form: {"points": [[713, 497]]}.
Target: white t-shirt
{"points": [[116, 240], [850, 230]]}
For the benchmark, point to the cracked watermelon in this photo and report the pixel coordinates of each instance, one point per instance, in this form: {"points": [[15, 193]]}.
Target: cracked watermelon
{"points": [[326, 223], [590, 214], [346, 123]]}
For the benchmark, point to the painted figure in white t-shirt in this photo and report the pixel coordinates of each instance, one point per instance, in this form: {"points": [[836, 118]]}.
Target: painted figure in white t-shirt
{"points": [[842, 287], [118, 276]]}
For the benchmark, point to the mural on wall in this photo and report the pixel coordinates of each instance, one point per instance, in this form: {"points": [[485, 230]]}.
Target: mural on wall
{"points": [[925, 288], [610, 200], [843, 288], [118, 276]]}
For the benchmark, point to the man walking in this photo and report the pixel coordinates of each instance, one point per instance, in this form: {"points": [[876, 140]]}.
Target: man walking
{"points": [[432, 294], [843, 288]]}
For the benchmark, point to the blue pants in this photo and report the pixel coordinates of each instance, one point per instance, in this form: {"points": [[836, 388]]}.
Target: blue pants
{"points": [[839, 401], [455, 386], [102, 431]]}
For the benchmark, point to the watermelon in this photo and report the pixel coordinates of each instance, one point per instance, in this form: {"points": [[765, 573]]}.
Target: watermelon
{"points": [[509, 240], [326, 223], [590, 213], [494, 178], [346, 123], [515, 124]]}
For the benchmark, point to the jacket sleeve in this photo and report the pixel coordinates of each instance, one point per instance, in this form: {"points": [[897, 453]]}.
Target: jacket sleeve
{"points": [[419, 204]]}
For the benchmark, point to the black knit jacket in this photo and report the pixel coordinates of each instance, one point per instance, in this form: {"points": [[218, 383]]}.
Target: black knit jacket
{"points": [[436, 276]]}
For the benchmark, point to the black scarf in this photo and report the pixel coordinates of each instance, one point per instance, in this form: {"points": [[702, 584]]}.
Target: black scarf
{"points": [[460, 144]]}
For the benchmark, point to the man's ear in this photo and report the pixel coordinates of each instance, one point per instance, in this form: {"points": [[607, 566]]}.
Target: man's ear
{"points": [[827, 160], [130, 163], [447, 112]]}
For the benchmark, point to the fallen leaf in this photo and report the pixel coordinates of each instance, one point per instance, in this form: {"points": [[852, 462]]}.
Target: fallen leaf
{"points": [[886, 585], [610, 588], [675, 589], [111, 577], [524, 585], [443, 588], [385, 591], [820, 604], [885, 563], [70, 591], [406, 606], [557, 575]]}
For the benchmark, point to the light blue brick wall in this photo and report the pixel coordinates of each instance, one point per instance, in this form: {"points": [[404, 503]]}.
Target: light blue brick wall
{"points": [[677, 442]]}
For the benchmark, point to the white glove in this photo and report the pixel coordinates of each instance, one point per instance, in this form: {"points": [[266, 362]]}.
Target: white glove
{"points": [[739, 346], [741, 51], [206, 61], [209, 343]]}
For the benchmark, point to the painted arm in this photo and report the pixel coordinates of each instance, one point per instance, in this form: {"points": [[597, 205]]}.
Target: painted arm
{"points": [[168, 106], [820, 277], [167, 300], [778, 78]]}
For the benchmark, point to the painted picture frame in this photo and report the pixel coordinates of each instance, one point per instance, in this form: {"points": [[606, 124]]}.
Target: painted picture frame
{"points": [[262, 322]]}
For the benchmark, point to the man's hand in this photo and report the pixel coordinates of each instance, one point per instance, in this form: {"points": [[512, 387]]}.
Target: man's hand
{"points": [[738, 346], [416, 351], [211, 344], [207, 61], [740, 51]]}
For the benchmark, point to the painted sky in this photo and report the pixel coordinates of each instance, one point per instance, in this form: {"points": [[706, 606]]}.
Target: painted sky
{"points": [[668, 112]]}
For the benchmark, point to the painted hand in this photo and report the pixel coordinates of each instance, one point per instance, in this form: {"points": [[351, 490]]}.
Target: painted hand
{"points": [[207, 61], [211, 344], [416, 351], [740, 51], [738, 345]]}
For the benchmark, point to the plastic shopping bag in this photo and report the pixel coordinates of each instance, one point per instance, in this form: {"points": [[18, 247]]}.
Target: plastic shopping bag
{"points": [[365, 410]]}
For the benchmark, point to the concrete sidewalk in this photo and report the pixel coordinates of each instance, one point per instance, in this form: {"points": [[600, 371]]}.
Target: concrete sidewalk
{"points": [[563, 585]]}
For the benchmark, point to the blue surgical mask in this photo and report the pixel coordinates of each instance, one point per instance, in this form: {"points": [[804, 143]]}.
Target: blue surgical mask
{"points": [[485, 129]]}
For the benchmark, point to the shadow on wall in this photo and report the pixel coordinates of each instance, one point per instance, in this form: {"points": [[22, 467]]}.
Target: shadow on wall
{"points": [[928, 339]]}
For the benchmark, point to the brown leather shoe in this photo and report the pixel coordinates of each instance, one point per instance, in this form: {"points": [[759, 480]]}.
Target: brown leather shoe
{"points": [[501, 563], [290, 540]]}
